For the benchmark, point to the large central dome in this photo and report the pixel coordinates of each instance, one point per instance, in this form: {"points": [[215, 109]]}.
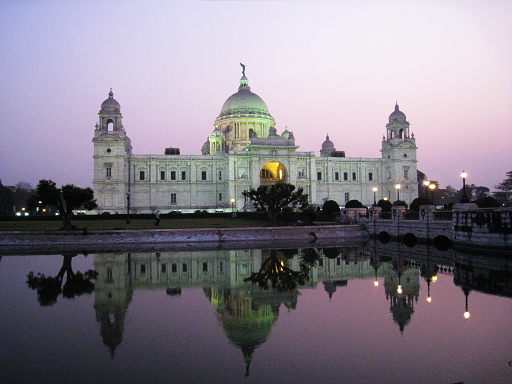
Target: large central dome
{"points": [[244, 102]]}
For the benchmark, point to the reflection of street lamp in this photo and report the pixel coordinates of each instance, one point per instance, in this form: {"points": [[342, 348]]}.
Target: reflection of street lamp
{"points": [[466, 312], [397, 192], [432, 187], [374, 189], [232, 205], [127, 207], [464, 197]]}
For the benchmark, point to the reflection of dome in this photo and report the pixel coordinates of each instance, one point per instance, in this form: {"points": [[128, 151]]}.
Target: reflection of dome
{"points": [[397, 116], [246, 318], [110, 105], [244, 102]]}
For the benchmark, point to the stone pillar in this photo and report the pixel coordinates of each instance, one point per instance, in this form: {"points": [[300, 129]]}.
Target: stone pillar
{"points": [[426, 212], [352, 215], [375, 213], [398, 213]]}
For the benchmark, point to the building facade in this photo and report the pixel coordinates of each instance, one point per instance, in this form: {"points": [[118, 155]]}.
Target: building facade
{"points": [[244, 151]]}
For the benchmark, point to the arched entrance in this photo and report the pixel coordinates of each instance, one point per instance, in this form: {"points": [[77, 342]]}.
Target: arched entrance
{"points": [[273, 172]]}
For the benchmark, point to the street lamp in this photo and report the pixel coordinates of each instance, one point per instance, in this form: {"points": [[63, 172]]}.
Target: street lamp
{"points": [[374, 189], [397, 192], [432, 187], [127, 207], [232, 205], [426, 183], [464, 197]]}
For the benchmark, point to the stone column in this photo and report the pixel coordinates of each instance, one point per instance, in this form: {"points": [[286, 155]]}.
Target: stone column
{"points": [[398, 213], [426, 212]]}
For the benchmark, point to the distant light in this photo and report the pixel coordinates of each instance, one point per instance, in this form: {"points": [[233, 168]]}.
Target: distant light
{"points": [[426, 183], [376, 283], [22, 209], [434, 278], [399, 290], [56, 213], [397, 186], [466, 315], [18, 214], [26, 213], [374, 189], [429, 299]]}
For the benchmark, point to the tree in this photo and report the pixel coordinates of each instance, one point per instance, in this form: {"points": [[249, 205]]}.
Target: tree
{"points": [[274, 198], [354, 204], [65, 199], [504, 190], [6, 199], [386, 205]]}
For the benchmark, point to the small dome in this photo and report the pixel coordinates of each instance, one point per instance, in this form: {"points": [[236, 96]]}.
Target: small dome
{"points": [[327, 145], [397, 116], [216, 133], [110, 105], [205, 149]]}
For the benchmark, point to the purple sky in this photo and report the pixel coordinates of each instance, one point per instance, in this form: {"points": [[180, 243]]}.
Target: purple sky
{"points": [[333, 67]]}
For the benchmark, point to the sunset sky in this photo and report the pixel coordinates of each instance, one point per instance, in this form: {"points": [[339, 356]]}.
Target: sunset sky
{"points": [[322, 67]]}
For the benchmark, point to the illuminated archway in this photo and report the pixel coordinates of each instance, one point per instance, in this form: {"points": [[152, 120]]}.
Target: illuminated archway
{"points": [[273, 172]]}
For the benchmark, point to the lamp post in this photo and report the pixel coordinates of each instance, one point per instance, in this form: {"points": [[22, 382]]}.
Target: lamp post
{"points": [[374, 189], [127, 207], [426, 183], [464, 197], [232, 205], [397, 191], [432, 187]]}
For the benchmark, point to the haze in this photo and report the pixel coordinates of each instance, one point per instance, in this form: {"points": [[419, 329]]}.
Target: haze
{"points": [[322, 67]]}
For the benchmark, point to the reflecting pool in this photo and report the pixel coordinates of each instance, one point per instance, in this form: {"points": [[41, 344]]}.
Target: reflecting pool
{"points": [[376, 313]]}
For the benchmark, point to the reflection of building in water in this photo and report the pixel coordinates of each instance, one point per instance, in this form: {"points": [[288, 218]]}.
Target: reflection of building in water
{"points": [[338, 265], [112, 296], [402, 287], [247, 315]]}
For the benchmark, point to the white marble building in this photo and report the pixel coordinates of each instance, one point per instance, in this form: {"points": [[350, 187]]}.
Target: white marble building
{"points": [[243, 152]]}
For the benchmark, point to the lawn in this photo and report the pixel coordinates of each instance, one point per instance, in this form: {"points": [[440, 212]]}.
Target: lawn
{"points": [[165, 223]]}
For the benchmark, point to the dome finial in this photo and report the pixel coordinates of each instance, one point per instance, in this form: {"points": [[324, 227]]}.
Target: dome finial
{"points": [[243, 69], [396, 106]]}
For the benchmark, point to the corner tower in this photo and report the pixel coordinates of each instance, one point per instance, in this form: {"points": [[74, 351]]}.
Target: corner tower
{"points": [[399, 158], [112, 149]]}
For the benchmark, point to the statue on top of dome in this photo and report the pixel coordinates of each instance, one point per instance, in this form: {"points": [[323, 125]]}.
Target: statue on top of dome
{"points": [[243, 69]]}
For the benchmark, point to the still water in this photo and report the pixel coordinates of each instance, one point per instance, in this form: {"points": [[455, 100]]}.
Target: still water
{"points": [[337, 315]]}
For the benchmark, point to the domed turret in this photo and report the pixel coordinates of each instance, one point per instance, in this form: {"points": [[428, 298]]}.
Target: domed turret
{"points": [[110, 105], [397, 116], [327, 147]]}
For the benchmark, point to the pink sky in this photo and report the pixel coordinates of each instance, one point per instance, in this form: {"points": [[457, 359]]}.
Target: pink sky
{"points": [[322, 67]]}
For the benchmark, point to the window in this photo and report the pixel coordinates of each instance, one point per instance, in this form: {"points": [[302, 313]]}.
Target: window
{"points": [[174, 267], [162, 175], [221, 266], [319, 176], [173, 175], [205, 267], [142, 175], [370, 176], [347, 197], [338, 260], [345, 176], [164, 268], [353, 176], [220, 196], [321, 262], [143, 268], [173, 199], [184, 267], [183, 175], [109, 172], [109, 273], [301, 173], [203, 175], [220, 176], [336, 176], [406, 174]]}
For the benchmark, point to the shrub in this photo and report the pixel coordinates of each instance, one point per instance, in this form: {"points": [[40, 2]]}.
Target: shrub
{"points": [[418, 202], [386, 205], [354, 204], [488, 202], [331, 206]]}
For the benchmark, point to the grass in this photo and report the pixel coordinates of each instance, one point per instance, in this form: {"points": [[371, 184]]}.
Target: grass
{"points": [[220, 222]]}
